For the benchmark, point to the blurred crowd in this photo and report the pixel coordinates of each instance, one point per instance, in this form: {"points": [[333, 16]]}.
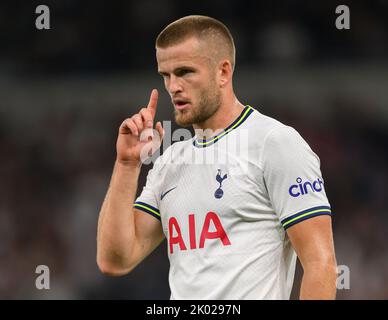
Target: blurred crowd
{"points": [[57, 144], [92, 36]]}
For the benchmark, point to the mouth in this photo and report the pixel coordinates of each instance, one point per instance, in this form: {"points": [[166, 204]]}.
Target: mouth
{"points": [[181, 104]]}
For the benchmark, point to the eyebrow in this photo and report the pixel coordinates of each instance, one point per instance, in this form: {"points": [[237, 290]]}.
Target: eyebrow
{"points": [[162, 73]]}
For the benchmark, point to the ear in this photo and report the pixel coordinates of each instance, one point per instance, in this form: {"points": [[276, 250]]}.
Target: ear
{"points": [[225, 72]]}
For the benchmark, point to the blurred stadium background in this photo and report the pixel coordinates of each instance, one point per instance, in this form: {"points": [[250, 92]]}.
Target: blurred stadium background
{"points": [[64, 92]]}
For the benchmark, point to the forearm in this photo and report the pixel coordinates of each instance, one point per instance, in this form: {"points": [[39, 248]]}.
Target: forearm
{"points": [[319, 282], [116, 227]]}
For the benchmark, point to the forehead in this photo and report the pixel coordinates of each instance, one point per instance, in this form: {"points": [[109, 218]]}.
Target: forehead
{"points": [[189, 53]]}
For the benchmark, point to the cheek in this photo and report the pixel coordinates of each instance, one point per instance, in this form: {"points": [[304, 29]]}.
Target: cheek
{"points": [[192, 84]]}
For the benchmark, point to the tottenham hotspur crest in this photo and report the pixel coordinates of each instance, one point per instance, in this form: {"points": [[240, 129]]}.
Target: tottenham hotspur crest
{"points": [[219, 192]]}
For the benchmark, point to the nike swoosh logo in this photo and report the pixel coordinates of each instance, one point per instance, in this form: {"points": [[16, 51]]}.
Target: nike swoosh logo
{"points": [[164, 194]]}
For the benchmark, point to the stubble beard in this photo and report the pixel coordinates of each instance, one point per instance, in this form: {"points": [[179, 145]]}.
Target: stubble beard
{"points": [[208, 104]]}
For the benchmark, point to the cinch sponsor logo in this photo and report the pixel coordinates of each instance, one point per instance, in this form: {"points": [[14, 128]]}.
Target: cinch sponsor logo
{"points": [[301, 188]]}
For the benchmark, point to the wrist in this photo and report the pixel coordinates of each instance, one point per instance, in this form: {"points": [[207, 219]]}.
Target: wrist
{"points": [[128, 164]]}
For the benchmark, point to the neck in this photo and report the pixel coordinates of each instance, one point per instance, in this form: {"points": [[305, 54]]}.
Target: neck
{"points": [[224, 116]]}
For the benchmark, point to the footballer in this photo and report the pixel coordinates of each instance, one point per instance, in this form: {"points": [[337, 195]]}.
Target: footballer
{"points": [[234, 228]]}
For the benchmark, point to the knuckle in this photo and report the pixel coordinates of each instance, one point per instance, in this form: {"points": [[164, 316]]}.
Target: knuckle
{"points": [[145, 113], [136, 117]]}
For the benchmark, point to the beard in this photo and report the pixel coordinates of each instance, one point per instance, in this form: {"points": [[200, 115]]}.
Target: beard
{"points": [[208, 104]]}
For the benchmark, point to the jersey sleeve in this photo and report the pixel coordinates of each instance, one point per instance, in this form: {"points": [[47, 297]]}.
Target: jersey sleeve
{"points": [[293, 177], [148, 201]]}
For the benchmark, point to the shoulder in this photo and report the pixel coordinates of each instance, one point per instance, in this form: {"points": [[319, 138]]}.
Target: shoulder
{"points": [[273, 131], [284, 137], [262, 127], [266, 132], [277, 140]]}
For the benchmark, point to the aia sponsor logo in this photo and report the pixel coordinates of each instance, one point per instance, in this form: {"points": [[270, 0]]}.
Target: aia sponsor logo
{"points": [[176, 241]]}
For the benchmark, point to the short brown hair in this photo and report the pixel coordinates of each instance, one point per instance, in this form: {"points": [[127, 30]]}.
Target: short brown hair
{"points": [[200, 27]]}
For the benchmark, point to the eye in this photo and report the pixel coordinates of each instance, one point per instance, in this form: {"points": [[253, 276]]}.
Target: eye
{"points": [[164, 75], [182, 72]]}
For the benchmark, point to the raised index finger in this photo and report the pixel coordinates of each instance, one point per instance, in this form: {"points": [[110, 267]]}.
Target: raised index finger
{"points": [[152, 104]]}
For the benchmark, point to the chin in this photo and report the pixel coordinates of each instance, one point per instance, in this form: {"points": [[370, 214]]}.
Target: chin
{"points": [[183, 121]]}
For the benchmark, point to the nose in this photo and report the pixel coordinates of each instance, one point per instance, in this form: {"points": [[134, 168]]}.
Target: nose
{"points": [[173, 85]]}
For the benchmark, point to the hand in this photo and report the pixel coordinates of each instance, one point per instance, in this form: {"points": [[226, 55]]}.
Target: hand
{"points": [[137, 139]]}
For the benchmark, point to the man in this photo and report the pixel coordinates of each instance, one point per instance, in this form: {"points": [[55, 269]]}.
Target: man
{"points": [[232, 228]]}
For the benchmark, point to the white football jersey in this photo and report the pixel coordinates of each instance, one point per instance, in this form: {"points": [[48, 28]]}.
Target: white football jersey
{"points": [[225, 203]]}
